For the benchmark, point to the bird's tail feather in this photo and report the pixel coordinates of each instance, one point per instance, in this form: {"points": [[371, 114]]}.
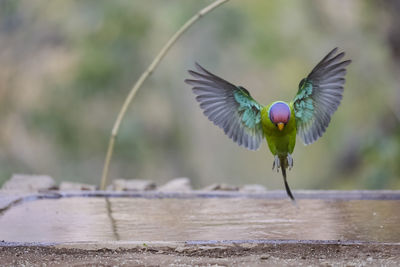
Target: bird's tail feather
{"points": [[288, 191]]}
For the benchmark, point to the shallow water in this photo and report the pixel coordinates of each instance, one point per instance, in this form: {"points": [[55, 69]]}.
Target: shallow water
{"points": [[140, 219]]}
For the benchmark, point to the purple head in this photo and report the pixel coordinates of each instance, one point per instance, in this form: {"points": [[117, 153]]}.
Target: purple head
{"points": [[279, 114]]}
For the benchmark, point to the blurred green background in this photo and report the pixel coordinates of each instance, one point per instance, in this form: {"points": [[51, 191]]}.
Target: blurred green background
{"points": [[66, 67]]}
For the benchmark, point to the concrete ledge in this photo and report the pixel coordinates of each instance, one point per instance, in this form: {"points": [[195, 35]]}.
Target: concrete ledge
{"points": [[257, 252]]}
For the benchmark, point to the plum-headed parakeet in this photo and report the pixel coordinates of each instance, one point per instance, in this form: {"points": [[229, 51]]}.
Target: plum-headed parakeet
{"points": [[247, 122]]}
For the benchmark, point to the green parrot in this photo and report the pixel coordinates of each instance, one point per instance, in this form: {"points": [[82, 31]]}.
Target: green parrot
{"points": [[247, 122]]}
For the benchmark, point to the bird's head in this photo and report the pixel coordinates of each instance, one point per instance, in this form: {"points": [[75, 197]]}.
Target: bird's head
{"points": [[279, 114]]}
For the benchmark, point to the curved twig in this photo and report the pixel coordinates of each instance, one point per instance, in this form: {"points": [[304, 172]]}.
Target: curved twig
{"points": [[142, 78]]}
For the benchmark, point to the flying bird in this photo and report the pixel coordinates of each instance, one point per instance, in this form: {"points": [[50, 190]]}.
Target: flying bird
{"points": [[247, 122]]}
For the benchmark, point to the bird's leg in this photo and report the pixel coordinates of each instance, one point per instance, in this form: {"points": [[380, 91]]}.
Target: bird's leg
{"points": [[277, 163], [290, 161]]}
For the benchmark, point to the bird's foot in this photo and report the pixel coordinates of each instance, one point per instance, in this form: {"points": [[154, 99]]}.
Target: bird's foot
{"points": [[277, 163], [290, 161]]}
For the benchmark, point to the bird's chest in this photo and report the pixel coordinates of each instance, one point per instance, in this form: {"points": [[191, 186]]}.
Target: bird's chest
{"points": [[279, 142]]}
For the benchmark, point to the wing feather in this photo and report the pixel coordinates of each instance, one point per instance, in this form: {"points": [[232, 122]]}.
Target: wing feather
{"points": [[229, 107], [319, 96]]}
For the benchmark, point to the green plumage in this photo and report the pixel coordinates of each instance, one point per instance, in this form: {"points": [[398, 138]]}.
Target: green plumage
{"points": [[248, 108], [247, 122], [280, 143], [303, 103]]}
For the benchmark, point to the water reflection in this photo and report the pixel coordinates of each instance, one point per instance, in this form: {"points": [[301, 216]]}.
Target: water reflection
{"points": [[113, 223], [139, 219]]}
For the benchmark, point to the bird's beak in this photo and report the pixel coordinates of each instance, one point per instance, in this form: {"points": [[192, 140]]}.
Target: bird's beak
{"points": [[280, 126]]}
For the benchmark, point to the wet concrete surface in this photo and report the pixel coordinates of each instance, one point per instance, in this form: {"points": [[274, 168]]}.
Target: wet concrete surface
{"points": [[202, 219]]}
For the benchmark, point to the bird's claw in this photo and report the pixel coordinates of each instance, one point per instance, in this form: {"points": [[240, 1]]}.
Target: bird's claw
{"points": [[277, 164], [290, 161]]}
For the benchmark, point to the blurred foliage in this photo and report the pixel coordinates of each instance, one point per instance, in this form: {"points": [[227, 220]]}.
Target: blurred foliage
{"points": [[66, 67]]}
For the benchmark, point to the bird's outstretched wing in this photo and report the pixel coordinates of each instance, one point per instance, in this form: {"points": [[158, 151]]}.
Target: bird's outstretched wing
{"points": [[319, 96], [228, 106]]}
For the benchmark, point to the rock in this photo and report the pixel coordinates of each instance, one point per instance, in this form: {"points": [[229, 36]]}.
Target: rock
{"points": [[133, 185], [177, 185], [221, 187], [179, 249], [253, 188], [29, 183], [71, 186], [265, 257], [7, 198]]}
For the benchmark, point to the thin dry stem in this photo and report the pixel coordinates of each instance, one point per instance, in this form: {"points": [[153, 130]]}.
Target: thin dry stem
{"points": [[142, 78]]}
